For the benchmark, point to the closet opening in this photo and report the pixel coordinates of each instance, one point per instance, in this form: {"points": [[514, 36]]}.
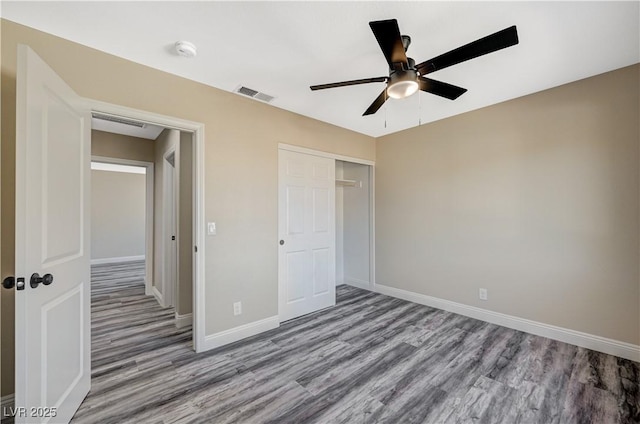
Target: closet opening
{"points": [[354, 224]]}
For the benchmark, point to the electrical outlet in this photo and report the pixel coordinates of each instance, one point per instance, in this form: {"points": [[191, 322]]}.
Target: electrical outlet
{"points": [[483, 294], [211, 228], [237, 308]]}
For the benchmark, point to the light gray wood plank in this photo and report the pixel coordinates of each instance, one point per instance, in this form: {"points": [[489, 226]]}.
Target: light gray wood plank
{"points": [[369, 359]]}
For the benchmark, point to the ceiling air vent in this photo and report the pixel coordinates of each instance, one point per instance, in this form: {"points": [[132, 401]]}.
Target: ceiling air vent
{"points": [[245, 91], [118, 120]]}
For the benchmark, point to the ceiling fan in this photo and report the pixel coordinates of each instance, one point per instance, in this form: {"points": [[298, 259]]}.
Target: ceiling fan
{"points": [[405, 77]]}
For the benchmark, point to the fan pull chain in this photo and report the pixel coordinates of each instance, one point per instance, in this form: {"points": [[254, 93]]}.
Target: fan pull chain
{"points": [[419, 109], [385, 108]]}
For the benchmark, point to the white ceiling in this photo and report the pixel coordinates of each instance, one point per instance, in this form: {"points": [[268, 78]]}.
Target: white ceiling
{"points": [[281, 48]]}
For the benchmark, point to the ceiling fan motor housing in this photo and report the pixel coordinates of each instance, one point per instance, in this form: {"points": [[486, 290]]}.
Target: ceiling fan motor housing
{"points": [[410, 65]]}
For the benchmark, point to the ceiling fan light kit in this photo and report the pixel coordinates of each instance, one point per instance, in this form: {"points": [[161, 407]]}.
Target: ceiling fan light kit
{"points": [[402, 84], [406, 78]]}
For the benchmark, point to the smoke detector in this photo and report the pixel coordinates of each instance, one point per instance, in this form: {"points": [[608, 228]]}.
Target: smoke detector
{"points": [[186, 49]]}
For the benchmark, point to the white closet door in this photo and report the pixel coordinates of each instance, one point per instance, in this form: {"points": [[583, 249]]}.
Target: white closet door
{"points": [[306, 218]]}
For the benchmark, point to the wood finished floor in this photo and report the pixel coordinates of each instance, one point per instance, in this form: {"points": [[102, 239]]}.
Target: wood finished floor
{"points": [[370, 359]]}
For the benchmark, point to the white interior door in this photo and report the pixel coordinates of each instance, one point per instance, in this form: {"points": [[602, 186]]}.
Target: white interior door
{"points": [[306, 221], [53, 340]]}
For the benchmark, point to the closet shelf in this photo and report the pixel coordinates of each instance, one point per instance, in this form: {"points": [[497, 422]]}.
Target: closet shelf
{"points": [[347, 183]]}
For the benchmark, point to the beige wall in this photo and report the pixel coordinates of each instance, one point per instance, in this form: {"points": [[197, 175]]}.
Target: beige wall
{"points": [[535, 199], [3, 321], [117, 214], [339, 225], [240, 159], [357, 227], [121, 146], [185, 232], [7, 222]]}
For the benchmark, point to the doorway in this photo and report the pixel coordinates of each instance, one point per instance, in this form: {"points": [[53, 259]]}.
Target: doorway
{"points": [[354, 239], [168, 157], [192, 148], [108, 229]]}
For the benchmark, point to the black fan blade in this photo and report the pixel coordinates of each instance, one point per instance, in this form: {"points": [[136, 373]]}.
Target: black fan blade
{"points": [[441, 89], [388, 35], [377, 103], [506, 38], [347, 83]]}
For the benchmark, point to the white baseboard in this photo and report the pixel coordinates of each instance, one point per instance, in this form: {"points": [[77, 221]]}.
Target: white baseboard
{"points": [[117, 260], [159, 297], [361, 284], [7, 403], [183, 320], [589, 341], [238, 333]]}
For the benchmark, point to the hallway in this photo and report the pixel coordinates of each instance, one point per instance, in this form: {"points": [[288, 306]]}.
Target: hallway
{"points": [[131, 337]]}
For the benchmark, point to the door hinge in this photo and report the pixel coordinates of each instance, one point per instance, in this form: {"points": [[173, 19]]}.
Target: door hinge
{"points": [[195, 249]]}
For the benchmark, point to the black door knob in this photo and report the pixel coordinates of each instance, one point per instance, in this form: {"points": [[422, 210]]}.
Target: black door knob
{"points": [[281, 242], [9, 282], [36, 279]]}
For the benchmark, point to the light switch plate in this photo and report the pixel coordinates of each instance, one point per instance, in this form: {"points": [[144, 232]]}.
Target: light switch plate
{"points": [[211, 228]]}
